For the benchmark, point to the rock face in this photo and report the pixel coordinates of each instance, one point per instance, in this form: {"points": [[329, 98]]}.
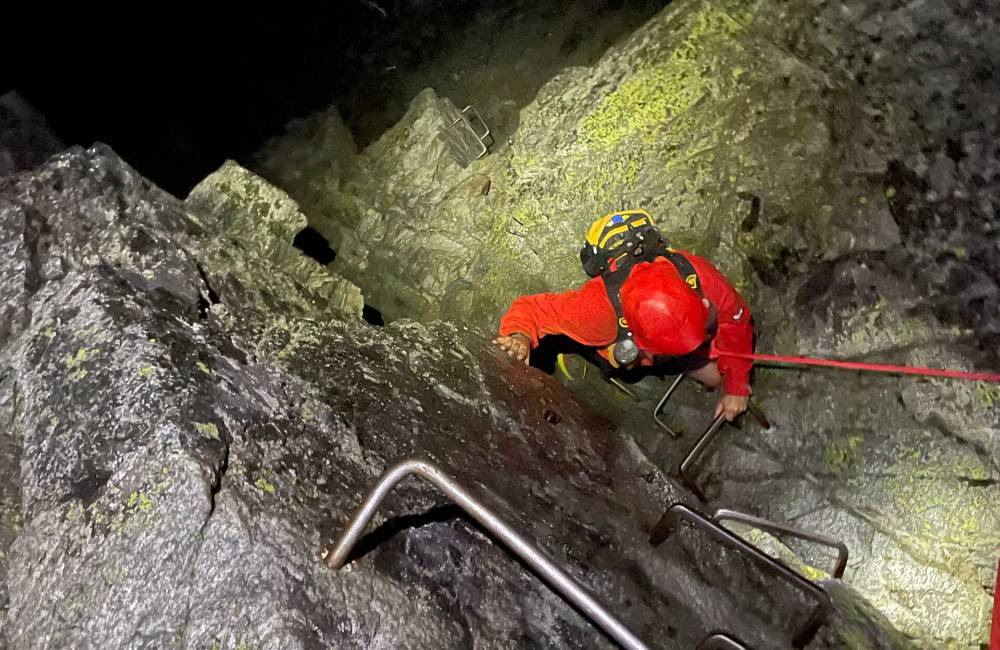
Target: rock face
{"points": [[691, 117], [25, 138], [265, 220], [184, 433], [393, 256], [903, 470], [838, 162]]}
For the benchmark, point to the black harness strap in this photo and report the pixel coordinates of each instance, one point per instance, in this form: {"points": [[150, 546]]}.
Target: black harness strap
{"points": [[684, 267], [613, 281]]}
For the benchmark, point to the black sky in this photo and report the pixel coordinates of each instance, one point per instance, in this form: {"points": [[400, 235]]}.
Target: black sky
{"points": [[177, 92]]}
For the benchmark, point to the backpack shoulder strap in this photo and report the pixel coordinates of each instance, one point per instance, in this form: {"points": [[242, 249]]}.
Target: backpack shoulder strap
{"points": [[690, 275], [684, 267], [613, 282]]}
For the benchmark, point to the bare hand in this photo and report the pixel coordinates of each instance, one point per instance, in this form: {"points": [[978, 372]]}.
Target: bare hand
{"points": [[731, 406], [516, 345]]}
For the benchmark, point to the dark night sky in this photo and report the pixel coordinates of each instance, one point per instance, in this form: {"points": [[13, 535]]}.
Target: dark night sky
{"points": [[176, 93]]}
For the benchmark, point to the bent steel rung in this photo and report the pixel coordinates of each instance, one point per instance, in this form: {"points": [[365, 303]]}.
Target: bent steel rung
{"points": [[699, 448], [721, 641], [662, 402], [684, 472], [758, 414], [559, 580], [766, 525], [665, 527], [625, 389]]}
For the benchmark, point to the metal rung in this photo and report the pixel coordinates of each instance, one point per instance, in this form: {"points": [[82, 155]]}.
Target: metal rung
{"points": [[663, 400], [486, 130], [481, 137], [625, 389], [668, 523], [699, 448], [773, 527], [560, 581], [721, 641], [696, 452], [758, 414]]}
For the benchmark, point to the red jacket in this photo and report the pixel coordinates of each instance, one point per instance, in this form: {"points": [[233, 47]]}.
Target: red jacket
{"points": [[586, 315]]}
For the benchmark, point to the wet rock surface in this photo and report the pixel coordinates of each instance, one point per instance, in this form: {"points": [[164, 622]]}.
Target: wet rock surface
{"points": [[184, 435]]}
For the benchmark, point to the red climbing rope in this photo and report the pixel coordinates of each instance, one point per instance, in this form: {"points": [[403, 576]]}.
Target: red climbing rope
{"points": [[872, 367]]}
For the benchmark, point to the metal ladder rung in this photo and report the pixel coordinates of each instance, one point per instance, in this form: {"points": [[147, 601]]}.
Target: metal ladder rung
{"points": [[620, 385], [721, 641], [766, 525], [662, 402], [668, 523], [684, 470], [560, 581], [481, 137]]}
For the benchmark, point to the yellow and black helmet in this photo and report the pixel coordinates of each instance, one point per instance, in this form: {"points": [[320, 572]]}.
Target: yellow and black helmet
{"points": [[616, 235]]}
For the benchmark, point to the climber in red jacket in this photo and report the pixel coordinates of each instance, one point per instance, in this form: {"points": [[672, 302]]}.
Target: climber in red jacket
{"points": [[646, 305]]}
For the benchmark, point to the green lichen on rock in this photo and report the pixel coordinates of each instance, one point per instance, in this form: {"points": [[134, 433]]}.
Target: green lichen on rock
{"points": [[647, 101], [776, 548], [116, 517], [840, 456], [284, 337], [264, 485], [989, 393], [74, 361], [903, 470], [943, 524], [248, 206], [139, 509], [207, 429], [139, 502]]}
